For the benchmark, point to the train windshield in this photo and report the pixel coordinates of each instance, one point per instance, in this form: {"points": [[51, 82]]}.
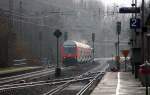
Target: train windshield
{"points": [[69, 49]]}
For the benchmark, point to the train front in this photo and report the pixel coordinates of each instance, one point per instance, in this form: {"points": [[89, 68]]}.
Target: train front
{"points": [[69, 53]]}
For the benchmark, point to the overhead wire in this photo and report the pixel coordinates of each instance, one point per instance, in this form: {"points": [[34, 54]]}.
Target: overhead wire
{"points": [[34, 23], [14, 13], [42, 25]]}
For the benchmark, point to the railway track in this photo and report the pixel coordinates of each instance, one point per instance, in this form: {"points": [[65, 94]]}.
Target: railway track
{"points": [[28, 77], [77, 85], [83, 85], [53, 87]]}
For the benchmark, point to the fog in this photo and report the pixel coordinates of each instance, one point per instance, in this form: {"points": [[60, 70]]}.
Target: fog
{"points": [[34, 22]]}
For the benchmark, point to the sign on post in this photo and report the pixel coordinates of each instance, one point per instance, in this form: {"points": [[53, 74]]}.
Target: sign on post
{"points": [[135, 23], [93, 36], [125, 53], [118, 27], [57, 33]]}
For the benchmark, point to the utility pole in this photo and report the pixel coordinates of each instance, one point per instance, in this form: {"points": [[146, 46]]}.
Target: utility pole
{"points": [[131, 43], [40, 44], [93, 40], [10, 25], [118, 34], [135, 30], [136, 65], [142, 33], [20, 23], [116, 48], [144, 29], [118, 52], [65, 36]]}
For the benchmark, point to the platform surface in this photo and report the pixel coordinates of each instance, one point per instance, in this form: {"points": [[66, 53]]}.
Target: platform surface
{"points": [[119, 83]]}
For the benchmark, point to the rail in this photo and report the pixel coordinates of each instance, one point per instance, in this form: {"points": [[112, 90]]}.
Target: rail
{"points": [[32, 75], [87, 81], [91, 85]]}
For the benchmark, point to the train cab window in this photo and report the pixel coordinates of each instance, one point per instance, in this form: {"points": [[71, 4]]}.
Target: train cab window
{"points": [[70, 50]]}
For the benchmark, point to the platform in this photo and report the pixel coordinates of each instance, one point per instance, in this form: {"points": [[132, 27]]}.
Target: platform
{"points": [[119, 83]]}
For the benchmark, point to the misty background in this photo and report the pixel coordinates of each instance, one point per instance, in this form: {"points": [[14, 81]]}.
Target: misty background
{"points": [[34, 22]]}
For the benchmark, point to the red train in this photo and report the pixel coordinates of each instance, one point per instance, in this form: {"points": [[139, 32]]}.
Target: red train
{"points": [[74, 52]]}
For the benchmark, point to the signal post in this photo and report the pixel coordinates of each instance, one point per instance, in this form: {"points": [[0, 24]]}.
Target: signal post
{"points": [[57, 34], [93, 40], [125, 54]]}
